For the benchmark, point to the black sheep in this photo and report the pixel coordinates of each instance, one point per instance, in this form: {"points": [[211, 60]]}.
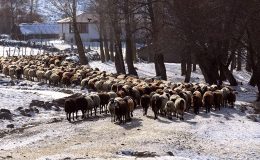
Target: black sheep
{"points": [[70, 108], [145, 103]]}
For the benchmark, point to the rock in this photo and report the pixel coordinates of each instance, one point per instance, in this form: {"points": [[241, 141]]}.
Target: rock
{"points": [[170, 153], [40, 83], [5, 111], [19, 108], [10, 126], [4, 115]]}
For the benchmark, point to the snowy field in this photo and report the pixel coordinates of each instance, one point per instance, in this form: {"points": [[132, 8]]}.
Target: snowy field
{"points": [[44, 133]]}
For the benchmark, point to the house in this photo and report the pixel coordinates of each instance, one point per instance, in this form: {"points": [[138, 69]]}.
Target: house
{"points": [[87, 25], [29, 31]]}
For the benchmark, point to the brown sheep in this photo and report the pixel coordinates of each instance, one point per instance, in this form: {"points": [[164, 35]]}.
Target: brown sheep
{"points": [[180, 106], [196, 101], [208, 100], [218, 99]]}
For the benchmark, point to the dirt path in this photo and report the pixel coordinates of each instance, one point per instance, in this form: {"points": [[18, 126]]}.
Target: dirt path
{"points": [[205, 136]]}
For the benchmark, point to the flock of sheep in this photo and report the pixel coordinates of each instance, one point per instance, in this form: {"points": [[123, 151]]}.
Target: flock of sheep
{"points": [[117, 94]]}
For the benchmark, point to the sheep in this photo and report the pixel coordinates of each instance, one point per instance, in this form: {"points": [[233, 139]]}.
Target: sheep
{"points": [[196, 101], [156, 103], [170, 108], [208, 100], [81, 104], [40, 75], [55, 79], [96, 100], [225, 92], [47, 75], [70, 108], [164, 99], [104, 99], [180, 106], [112, 94], [111, 108], [32, 74], [121, 110], [19, 72], [131, 106], [12, 72], [135, 94], [90, 105], [231, 98], [65, 80], [145, 103], [174, 97], [187, 95], [218, 99]]}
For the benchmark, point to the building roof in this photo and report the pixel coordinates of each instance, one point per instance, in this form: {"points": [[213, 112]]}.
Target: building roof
{"points": [[39, 28], [83, 17]]}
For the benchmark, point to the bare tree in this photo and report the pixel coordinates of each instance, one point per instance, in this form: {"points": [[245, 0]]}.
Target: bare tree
{"points": [[69, 8]]}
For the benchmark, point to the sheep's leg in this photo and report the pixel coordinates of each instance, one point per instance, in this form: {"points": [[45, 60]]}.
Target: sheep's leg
{"points": [[73, 116], [67, 116], [83, 114], [132, 114], [95, 111]]}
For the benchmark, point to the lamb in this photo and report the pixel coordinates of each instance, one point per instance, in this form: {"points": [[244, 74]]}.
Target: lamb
{"points": [[145, 103], [196, 101], [70, 108], [180, 106], [208, 100]]}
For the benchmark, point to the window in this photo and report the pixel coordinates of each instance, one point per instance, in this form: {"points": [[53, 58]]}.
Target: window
{"points": [[82, 27]]}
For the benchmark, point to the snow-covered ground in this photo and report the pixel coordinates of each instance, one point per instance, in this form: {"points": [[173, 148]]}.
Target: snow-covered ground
{"points": [[46, 134]]}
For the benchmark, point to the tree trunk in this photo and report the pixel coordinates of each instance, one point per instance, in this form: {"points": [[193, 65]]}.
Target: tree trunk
{"points": [[159, 62], [239, 62], [158, 57], [233, 64], [129, 48], [248, 62], [111, 44], [102, 54], [183, 66], [229, 75], [107, 56], [188, 71], [194, 67], [209, 68], [82, 57]]}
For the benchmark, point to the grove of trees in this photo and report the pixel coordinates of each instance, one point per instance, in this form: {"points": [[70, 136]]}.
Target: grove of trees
{"points": [[219, 36]]}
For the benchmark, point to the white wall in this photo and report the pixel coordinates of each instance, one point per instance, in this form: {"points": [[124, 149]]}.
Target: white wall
{"points": [[92, 34]]}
